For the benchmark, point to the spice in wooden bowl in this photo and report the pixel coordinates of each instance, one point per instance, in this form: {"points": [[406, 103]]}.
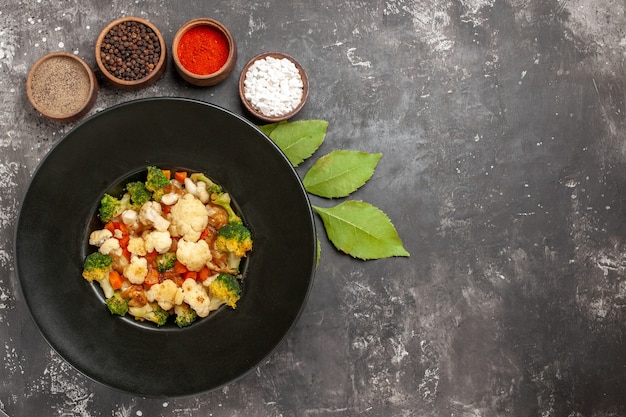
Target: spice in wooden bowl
{"points": [[273, 86], [204, 52], [62, 87], [131, 53]]}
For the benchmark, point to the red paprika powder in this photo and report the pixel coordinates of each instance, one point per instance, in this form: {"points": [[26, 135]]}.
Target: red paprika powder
{"points": [[203, 50]]}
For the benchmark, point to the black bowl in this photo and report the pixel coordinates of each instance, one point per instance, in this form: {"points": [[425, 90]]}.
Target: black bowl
{"points": [[58, 212]]}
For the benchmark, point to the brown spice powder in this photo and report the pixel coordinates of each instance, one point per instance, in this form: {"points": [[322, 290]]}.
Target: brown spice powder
{"points": [[60, 86]]}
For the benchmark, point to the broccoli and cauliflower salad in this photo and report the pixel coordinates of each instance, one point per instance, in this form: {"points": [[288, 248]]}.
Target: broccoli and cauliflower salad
{"points": [[171, 246]]}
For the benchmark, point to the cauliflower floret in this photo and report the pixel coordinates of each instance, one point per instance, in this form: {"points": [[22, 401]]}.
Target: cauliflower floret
{"points": [[109, 245], [151, 215], [137, 270], [170, 199], [137, 246], [158, 241], [130, 218], [167, 294], [194, 255], [189, 218], [197, 297], [107, 288], [190, 186], [98, 237], [197, 189], [203, 193]]}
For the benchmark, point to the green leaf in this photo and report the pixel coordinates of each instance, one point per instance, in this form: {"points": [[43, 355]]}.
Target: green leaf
{"points": [[340, 173], [269, 128], [298, 140], [361, 230]]}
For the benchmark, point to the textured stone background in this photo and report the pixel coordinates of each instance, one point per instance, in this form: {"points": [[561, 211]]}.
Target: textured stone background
{"points": [[502, 128]]}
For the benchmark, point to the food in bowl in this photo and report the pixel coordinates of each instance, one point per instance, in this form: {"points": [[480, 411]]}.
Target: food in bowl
{"points": [[170, 247]]}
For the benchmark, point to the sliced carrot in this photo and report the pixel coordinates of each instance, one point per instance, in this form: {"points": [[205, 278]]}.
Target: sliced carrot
{"points": [[116, 280], [110, 226], [167, 173], [180, 176], [122, 227], [190, 274], [165, 208], [126, 253], [113, 226], [179, 268], [204, 274], [124, 241]]}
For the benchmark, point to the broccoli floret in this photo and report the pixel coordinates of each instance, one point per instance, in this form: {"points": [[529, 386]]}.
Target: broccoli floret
{"points": [[109, 208], [223, 200], [233, 263], [235, 238], [185, 315], [97, 267], [151, 312], [138, 193], [165, 261], [117, 304], [156, 181], [158, 316], [211, 187], [225, 289]]}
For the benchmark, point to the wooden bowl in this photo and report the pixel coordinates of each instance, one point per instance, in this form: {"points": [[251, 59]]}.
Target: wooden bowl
{"points": [[149, 72], [211, 76], [62, 87], [254, 109]]}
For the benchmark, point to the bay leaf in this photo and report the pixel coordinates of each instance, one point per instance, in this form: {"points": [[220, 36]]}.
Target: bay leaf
{"points": [[300, 139], [269, 128], [340, 173], [361, 230]]}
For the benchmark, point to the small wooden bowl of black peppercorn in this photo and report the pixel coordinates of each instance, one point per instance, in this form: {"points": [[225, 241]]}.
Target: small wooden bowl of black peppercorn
{"points": [[131, 53]]}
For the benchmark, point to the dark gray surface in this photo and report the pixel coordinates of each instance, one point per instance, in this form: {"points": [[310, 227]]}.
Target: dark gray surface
{"points": [[501, 124]]}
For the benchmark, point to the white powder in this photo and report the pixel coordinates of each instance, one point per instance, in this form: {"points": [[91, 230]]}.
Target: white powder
{"points": [[273, 86]]}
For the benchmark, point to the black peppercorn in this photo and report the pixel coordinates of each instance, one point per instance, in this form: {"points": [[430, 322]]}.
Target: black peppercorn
{"points": [[130, 51]]}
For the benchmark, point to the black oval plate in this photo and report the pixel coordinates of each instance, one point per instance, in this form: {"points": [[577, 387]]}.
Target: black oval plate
{"points": [[60, 204]]}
